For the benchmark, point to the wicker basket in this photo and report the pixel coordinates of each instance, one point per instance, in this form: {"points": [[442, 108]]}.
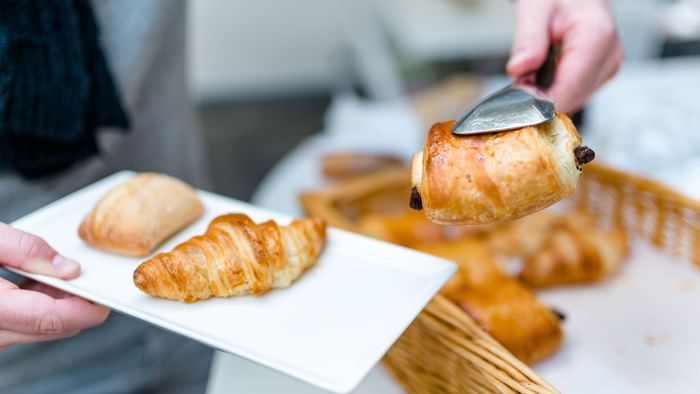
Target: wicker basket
{"points": [[444, 350]]}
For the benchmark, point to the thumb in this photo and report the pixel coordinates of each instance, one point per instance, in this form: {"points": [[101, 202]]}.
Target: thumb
{"points": [[30, 253], [7, 285], [532, 38]]}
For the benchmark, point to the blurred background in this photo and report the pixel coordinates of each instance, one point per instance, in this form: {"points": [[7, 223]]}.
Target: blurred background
{"points": [[264, 73]]}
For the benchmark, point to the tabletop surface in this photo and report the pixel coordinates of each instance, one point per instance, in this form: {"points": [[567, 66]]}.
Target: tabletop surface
{"points": [[382, 122]]}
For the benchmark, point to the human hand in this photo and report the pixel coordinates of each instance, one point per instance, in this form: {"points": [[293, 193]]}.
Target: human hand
{"points": [[590, 51], [35, 312]]}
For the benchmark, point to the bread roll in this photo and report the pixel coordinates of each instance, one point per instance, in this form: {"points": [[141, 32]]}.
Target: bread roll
{"points": [[139, 214], [488, 178]]}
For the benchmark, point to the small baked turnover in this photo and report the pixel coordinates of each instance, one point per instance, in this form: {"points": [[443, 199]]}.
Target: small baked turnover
{"points": [[139, 214], [489, 178]]}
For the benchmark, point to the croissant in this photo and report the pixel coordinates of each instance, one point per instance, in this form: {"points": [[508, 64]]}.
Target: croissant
{"points": [[576, 253], [234, 257], [522, 237], [488, 178]]}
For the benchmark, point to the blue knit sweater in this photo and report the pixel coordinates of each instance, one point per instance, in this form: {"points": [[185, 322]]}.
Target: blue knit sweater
{"points": [[55, 86]]}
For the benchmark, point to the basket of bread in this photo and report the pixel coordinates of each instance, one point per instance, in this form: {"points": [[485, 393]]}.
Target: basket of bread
{"points": [[480, 202]]}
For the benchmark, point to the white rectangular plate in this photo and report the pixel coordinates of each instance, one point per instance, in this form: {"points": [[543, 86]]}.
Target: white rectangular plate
{"points": [[329, 328]]}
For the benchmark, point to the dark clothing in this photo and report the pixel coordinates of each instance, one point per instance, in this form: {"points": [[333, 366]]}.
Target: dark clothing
{"points": [[55, 87]]}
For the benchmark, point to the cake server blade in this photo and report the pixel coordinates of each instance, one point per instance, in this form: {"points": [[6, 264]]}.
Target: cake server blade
{"points": [[515, 106]]}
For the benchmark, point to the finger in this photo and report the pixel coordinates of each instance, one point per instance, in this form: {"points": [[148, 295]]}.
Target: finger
{"points": [[612, 66], [79, 313], [577, 73], [532, 38], [30, 253], [52, 292], [10, 338], [35, 313], [7, 285]]}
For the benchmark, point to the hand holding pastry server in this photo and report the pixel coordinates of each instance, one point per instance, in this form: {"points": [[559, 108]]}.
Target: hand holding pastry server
{"points": [[509, 156]]}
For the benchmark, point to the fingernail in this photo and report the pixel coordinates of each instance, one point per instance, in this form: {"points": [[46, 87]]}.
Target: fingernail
{"points": [[65, 265], [60, 267], [517, 58]]}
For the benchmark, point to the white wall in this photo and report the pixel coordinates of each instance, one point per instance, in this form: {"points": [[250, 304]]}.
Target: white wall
{"points": [[259, 47], [272, 47]]}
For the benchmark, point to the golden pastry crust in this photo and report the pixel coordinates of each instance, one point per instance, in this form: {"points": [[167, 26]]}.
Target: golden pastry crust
{"points": [[522, 237], [502, 306], [139, 214], [346, 165], [576, 252], [511, 314], [411, 228], [234, 257], [489, 178], [477, 267]]}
